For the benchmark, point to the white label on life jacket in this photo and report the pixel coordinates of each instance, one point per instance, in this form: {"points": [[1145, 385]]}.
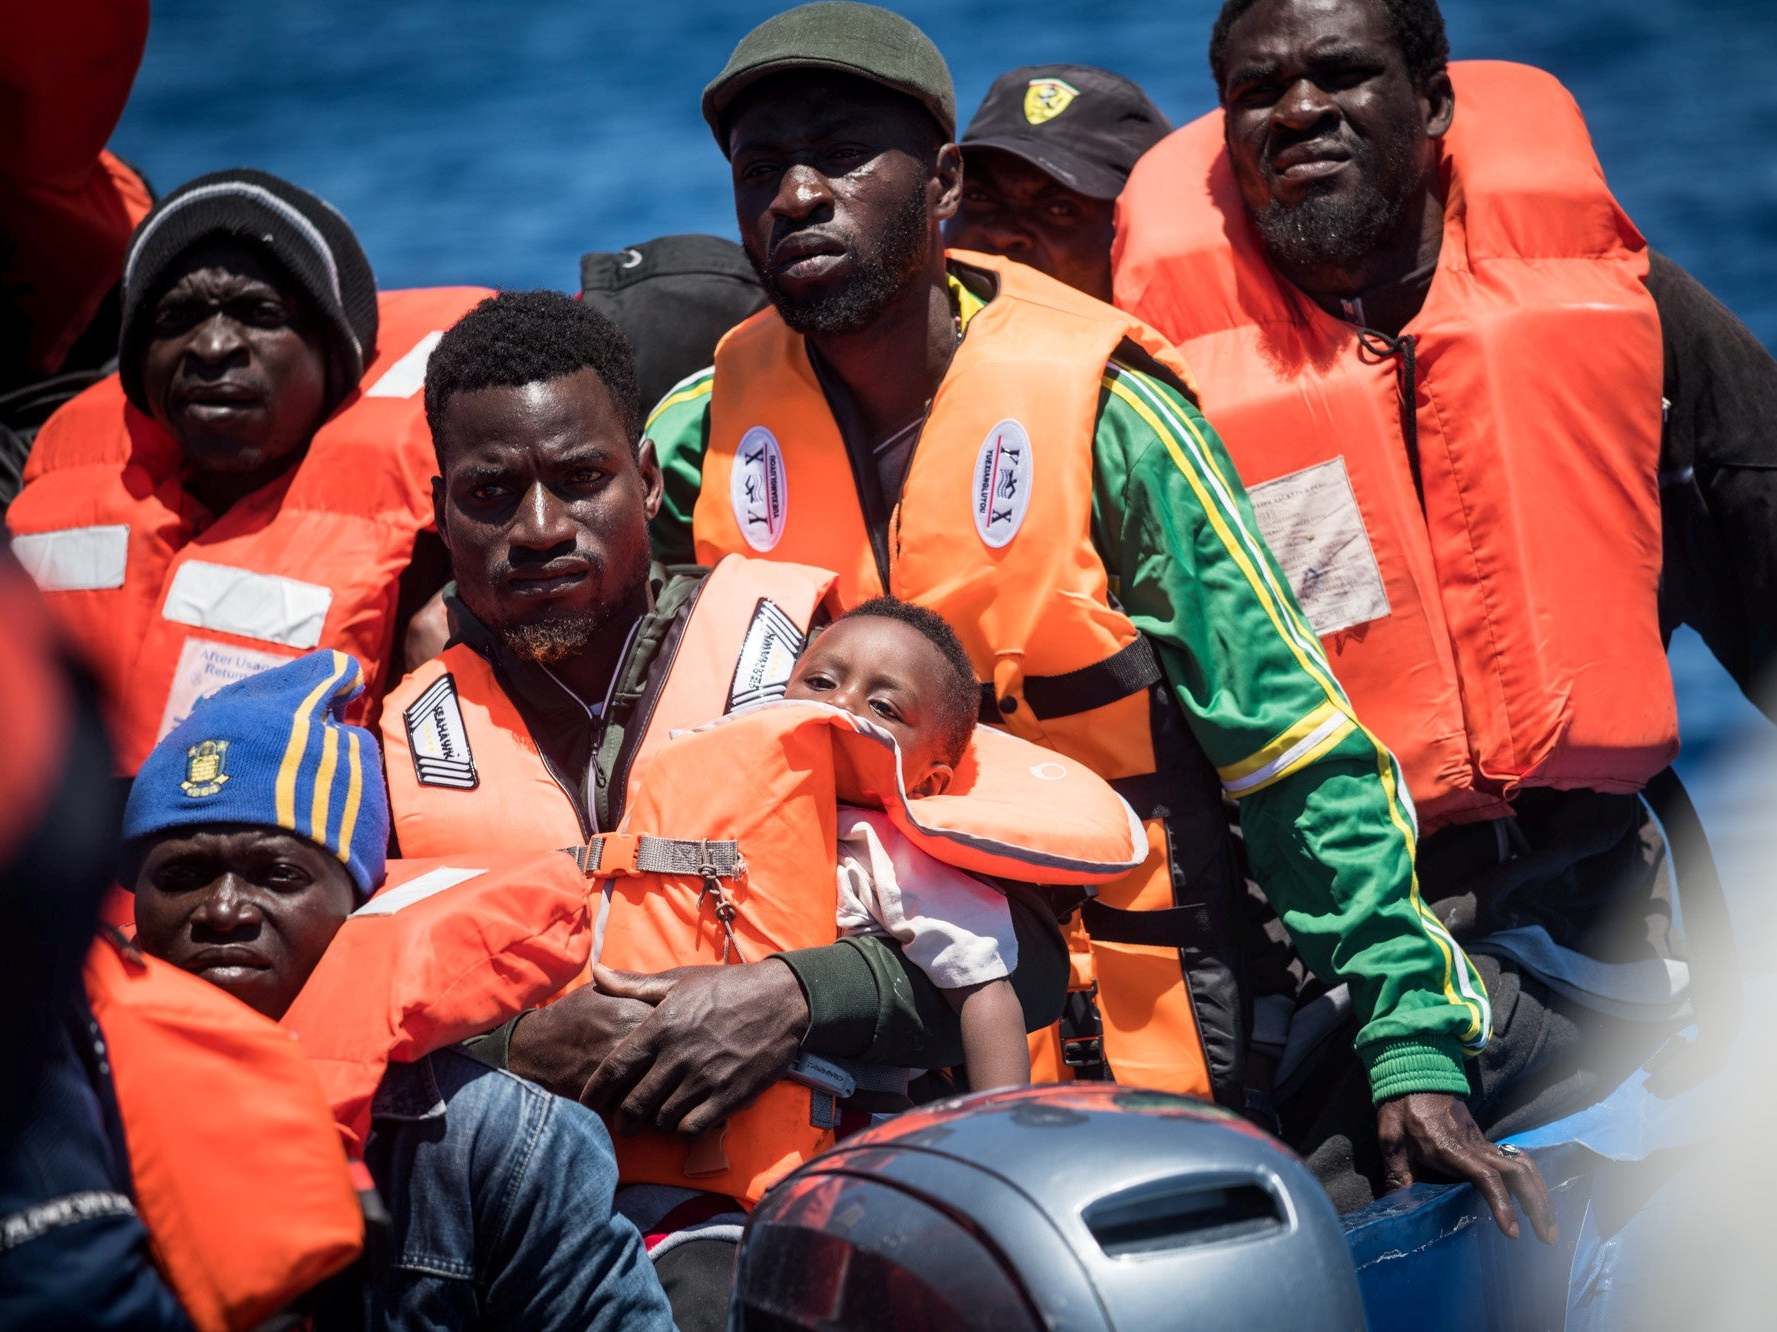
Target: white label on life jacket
{"points": [[76, 559], [429, 884], [758, 489], [248, 603], [1002, 481], [408, 375], [1316, 533], [206, 665], [767, 656], [438, 739]]}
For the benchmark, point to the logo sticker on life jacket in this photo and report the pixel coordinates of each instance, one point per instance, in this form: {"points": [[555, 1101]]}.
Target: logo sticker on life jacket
{"points": [[767, 656], [438, 739], [758, 489], [1044, 99], [1002, 481]]}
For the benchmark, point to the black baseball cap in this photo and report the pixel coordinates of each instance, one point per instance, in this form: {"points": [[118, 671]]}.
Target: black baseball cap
{"points": [[673, 297], [1082, 125]]}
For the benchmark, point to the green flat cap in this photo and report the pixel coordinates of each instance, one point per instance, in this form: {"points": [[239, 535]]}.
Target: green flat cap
{"points": [[863, 40]]}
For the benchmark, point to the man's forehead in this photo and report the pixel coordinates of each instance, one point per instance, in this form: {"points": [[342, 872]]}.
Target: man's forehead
{"points": [[812, 106], [215, 838], [225, 260], [1277, 29], [545, 417], [1009, 171]]}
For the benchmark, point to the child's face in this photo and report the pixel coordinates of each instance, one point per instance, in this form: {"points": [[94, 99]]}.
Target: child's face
{"points": [[891, 674]]}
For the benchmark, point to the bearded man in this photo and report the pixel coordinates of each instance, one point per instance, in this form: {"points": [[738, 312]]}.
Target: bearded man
{"points": [[1501, 451], [973, 436]]}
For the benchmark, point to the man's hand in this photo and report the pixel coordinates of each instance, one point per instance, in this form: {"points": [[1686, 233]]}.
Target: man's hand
{"points": [[717, 1037], [1436, 1131], [559, 1046]]}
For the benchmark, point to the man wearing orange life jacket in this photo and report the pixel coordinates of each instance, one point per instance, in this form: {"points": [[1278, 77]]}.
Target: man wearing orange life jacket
{"points": [[977, 438], [574, 654], [254, 830], [140, 1107], [252, 481], [1433, 343]]}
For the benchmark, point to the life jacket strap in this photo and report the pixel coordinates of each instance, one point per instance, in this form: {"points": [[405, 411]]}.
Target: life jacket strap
{"points": [[1130, 669], [613, 854]]}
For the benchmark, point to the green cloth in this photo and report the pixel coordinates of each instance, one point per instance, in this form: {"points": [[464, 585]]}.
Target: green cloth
{"points": [[865, 41], [1328, 828]]}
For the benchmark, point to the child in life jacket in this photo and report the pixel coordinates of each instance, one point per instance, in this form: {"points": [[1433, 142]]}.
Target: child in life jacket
{"points": [[902, 667]]}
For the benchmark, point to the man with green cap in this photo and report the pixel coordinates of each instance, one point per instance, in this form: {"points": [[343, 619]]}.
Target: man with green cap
{"points": [[973, 436]]}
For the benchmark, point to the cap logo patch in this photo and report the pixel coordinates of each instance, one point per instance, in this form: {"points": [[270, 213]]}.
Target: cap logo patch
{"points": [[437, 738], [759, 490], [203, 769], [1001, 483], [1044, 99]]}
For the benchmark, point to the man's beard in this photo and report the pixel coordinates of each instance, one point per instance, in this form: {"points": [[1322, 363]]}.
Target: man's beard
{"points": [[882, 272], [556, 638], [1341, 230]]}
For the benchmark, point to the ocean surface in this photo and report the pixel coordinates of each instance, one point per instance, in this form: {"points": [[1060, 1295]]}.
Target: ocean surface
{"points": [[493, 142]]}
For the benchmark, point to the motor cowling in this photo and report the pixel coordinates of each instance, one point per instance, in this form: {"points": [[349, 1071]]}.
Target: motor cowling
{"points": [[1086, 1206]]}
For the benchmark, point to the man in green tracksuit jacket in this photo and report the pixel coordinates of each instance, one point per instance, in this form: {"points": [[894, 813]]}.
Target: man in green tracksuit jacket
{"points": [[829, 139]]}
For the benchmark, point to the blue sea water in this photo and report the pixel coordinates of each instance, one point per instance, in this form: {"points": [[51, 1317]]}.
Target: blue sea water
{"points": [[478, 141]]}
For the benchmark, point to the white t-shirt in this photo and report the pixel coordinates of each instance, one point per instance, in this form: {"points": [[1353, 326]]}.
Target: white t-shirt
{"points": [[952, 926]]}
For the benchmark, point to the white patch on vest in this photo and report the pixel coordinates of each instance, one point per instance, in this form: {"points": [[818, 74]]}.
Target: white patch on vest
{"points": [[1316, 532], [438, 739], [205, 666], [1048, 772], [76, 559], [759, 489], [1001, 484], [767, 656], [408, 375], [253, 605], [429, 884]]}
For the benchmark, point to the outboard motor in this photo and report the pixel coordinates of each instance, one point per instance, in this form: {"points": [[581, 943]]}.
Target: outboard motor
{"points": [[1083, 1206]]}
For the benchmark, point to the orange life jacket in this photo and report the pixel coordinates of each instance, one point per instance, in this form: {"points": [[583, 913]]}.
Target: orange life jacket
{"points": [[754, 798], [170, 605], [993, 531], [238, 1173], [1502, 632], [442, 951], [465, 776]]}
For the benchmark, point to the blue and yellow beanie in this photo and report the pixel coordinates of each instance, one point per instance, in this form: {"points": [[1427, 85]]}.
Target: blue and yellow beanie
{"points": [[274, 750]]}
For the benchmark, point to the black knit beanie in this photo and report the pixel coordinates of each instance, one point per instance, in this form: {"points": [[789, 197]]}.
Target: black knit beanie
{"points": [[302, 234]]}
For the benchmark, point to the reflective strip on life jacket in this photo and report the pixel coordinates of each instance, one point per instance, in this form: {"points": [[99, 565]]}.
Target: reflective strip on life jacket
{"points": [[1465, 561], [239, 1174], [441, 952], [170, 607]]}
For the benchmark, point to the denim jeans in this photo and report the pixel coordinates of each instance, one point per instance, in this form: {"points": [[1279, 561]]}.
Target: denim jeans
{"points": [[500, 1195]]}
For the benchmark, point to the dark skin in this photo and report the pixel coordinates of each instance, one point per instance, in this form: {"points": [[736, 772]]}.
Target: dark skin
{"points": [[544, 508], [1312, 84], [821, 164], [249, 909], [235, 368], [891, 674], [1015, 209], [1309, 83]]}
